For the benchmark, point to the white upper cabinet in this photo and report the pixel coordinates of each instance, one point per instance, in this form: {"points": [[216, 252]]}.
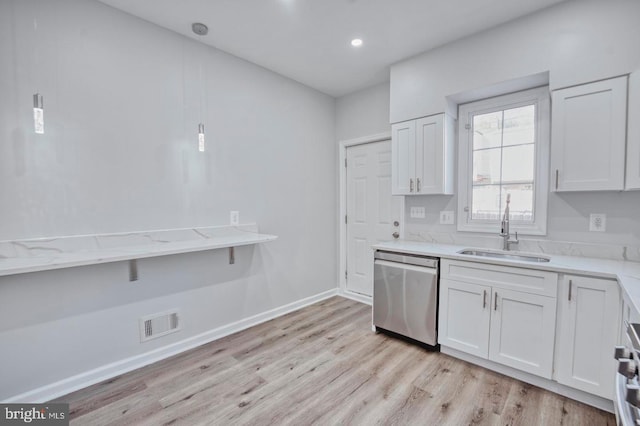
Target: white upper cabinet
{"points": [[422, 155], [403, 164], [588, 134], [434, 154], [633, 133]]}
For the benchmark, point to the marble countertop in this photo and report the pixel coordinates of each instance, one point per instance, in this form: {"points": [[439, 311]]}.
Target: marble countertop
{"points": [[24, 256], [626, 273]]}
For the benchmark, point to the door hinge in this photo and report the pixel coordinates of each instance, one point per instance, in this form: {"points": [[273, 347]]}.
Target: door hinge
{"points": [[467, 126], [345, 219], [345, 162], [345, 274]]}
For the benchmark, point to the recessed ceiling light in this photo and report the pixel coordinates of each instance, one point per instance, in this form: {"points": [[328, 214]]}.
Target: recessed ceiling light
{"points": [[356, 42]]}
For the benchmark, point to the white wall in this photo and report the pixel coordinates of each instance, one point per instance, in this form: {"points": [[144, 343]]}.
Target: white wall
{"points": [[568, 221], [363, 113], [585, 40], [123, 99], [576, 41]]}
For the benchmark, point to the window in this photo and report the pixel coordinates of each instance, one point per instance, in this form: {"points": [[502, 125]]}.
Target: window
{"points": [[504, 150]]}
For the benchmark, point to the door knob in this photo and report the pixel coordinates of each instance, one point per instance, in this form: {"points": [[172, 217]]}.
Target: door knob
{"points": [[396, 235]]}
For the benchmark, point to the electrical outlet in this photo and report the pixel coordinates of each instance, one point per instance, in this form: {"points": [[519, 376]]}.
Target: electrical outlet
{"points": [[446, 217], [417, 212], [234, 217], [597, 222]]}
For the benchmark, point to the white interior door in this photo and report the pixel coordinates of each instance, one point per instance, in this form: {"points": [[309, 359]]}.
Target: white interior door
{"points": [[372, 212]]}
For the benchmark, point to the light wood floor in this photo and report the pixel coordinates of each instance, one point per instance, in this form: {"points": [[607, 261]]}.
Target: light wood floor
{"points": [[320, 365]]}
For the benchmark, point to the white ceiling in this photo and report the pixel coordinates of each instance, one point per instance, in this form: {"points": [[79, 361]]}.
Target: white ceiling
{"points": [[309, 40]]}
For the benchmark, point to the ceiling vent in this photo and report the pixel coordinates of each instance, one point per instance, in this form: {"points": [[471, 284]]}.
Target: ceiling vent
{"points": [[158, 325]]}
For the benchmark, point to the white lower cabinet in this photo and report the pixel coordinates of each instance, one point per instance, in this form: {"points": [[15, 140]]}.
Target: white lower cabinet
{"points": [[523, 331], [562, 328], [464, 317], [633, 133], [629, 315], [559, 327], [511, 327], [588, 329]]}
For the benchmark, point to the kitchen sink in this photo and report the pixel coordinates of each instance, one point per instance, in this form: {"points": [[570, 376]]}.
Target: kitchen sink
{"points": [[505, 255]]}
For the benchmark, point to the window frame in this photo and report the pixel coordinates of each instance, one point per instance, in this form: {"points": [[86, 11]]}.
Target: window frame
{"points": [[539, 96]]}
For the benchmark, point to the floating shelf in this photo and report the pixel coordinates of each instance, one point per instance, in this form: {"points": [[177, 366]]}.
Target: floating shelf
{"points": [[24, 256]]}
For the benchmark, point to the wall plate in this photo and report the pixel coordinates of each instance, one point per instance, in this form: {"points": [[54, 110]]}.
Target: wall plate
{"points": [[446, 217], [234, 217], [597, 222], [417, 212]]}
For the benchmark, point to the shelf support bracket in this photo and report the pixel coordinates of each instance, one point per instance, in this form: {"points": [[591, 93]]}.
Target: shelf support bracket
{"points": [[232, 256], [133, 270]]}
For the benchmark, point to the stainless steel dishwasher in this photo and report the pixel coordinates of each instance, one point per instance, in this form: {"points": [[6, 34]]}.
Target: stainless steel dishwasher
{"points": [[405, 295]]}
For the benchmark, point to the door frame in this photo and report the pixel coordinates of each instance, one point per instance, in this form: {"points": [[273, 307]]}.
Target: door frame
{"points": [[342, 206]]}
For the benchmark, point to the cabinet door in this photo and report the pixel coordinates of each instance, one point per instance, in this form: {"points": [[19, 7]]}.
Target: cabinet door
{"points": [[588, 133], [463, 321], [430, 154], [523, 331], [629, 315], [588, 331], [403, 139], [633, 135]]}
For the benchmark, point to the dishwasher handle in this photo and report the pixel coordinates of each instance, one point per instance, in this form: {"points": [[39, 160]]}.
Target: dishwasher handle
{"points": [[406, 266], [409, 259]]}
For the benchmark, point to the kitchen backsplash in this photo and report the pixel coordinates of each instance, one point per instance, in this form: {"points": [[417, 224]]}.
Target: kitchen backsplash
{"points": [[567, 226], [526, 244]]}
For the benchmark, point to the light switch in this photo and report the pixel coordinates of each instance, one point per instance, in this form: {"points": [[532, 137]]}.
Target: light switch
{"points": [[446, 217], [417, 212]]}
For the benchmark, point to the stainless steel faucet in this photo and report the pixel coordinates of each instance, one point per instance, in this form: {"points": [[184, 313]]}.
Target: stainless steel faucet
{"points": [[504, 233]]}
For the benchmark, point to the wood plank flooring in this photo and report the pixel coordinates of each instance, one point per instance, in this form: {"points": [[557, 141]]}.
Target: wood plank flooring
{"points": [[320, 365]]}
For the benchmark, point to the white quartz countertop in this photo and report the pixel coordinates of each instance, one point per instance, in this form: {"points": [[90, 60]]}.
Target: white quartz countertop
{"points": [[19, 257], [626, 273]]}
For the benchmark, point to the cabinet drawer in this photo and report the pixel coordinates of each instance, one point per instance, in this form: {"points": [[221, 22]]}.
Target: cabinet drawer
{"points": [[520, 279]]}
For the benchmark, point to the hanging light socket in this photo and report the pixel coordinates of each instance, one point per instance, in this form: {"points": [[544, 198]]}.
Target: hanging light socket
{"points": [[38, 113], [199, 28], [201, 137]]}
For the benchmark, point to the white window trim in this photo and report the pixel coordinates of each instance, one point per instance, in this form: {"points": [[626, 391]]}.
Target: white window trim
{"points": [[541, 97]]}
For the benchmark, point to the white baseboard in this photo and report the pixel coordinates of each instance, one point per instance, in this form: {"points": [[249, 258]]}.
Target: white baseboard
{"points": [[97, 375], [356, 296], [550, 385]]}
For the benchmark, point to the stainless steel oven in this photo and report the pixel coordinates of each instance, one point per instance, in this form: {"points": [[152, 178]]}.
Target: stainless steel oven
{"points": [[627, 396]]}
